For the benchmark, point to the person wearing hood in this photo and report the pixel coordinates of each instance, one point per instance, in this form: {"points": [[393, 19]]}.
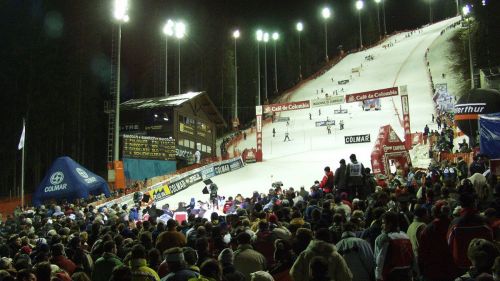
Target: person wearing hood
{"points": [[138, 265], [321, 246], [226, 259]]}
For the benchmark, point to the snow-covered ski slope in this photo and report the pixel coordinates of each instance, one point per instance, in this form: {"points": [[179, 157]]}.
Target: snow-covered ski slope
{"points": [[301, 161]]}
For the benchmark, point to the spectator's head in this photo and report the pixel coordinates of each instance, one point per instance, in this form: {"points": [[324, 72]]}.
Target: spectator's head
{"points": [[171, 224], [138, 252], [482, 254], [43, 271], [25, 275], [466, 200], [226, 256], [352, 157], [282, 250], [109, 247], [327, 169], [323, 234], [57, 250], [342, 161], [420, 212], [390, 222], [261, 276], [190, 256], [348, 227], [174, 257], [211, 269], [202, 246], [243, 238]]}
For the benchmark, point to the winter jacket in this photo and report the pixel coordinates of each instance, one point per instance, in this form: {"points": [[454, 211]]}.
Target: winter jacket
{"points": [[327, 182], [64, 263], [103, 267], [340, 177], [434, 256], [414, 231], [394, 257], [355, 172], [170, 239], [462, 169], [337, 267], [181, 275], [141, 272], [358, 255], [264, 244], [462, 230], [247, 260]]}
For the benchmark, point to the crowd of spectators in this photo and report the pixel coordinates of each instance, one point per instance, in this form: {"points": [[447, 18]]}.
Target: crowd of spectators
{"points": [[436, 224]]}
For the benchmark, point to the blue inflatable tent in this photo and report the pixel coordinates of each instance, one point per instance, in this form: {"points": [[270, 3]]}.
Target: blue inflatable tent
{"points": [[489, 132], [68, 180]]}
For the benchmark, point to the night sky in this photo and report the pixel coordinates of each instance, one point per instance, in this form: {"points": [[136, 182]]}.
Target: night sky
{"points": [[56, 65]]}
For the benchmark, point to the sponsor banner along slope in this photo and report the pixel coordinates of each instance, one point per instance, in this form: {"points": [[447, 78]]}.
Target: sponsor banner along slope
{"points": [[381, 93]]}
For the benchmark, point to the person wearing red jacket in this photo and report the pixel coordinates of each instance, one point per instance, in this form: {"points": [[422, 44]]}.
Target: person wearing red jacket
{"points": [[327, 182], [463, 229], [434, 256]]}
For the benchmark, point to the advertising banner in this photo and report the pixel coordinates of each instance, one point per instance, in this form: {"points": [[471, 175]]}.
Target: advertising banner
{"points": [[357, 139], [281, 119], [161, 193], [294, 105], [381, 93], [406, 116], [325, 123], [333, 100]]}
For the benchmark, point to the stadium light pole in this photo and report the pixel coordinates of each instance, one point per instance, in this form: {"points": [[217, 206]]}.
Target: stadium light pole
{"points": [[326, 14], [383, 17], [121, 16], [168, 30], [259, 35], [300, 27], [378, 17], [180, 32], [466, 12], [275, 36], [359, 7], [265, 39], [236, 35], [430, 11]]}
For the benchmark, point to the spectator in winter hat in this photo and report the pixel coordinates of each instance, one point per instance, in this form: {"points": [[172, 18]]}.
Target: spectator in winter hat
{"points": [[59, 258], [226, 259], [138, 264], [482, 254], [283, 255], [261, 276], [191, 258], [174, 258], [170, 238], [246, 259], [210, 270]]}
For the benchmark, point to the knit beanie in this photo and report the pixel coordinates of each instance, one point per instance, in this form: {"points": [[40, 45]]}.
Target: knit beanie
{"points": [[226, 256]]}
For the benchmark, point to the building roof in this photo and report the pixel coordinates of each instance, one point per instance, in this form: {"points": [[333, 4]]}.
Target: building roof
{"points": [[156, 102], [177, 100]]}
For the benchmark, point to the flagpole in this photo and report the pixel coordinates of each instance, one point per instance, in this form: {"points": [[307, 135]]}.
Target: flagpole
{"points": [[22, 167]]}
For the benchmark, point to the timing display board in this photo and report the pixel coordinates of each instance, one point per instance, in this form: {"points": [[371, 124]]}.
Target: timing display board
{"points": [[152, 148]]}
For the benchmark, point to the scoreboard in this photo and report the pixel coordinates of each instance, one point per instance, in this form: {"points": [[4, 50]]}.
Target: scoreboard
{"points": [[151, 148]]}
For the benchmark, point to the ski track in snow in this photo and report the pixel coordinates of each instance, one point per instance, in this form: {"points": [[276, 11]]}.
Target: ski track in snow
{"points": [[300, 162]]}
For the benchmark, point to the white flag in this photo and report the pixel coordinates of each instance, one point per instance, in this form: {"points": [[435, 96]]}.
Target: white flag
{"points": [[21, 141]]}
